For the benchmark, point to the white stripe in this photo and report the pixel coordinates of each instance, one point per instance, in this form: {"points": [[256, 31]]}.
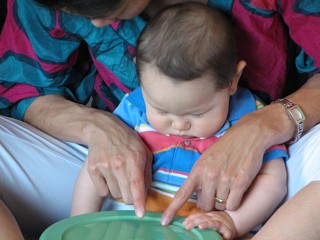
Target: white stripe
{"points": [[172, 174], [170, 195], [160, 187], [144, 128]]}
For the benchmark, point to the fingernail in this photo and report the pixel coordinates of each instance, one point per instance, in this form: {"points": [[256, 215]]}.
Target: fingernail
{"points": [[139, 213], [164, 221]]}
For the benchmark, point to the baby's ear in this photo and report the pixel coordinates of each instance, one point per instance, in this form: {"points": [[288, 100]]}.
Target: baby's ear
{"points": [[234, 85]]}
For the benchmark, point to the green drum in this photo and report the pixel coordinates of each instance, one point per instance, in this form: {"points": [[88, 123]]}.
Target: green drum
{"points": [[123, 225]]}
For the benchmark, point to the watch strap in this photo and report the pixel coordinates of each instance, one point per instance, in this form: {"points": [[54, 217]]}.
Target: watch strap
{"points": [[296, 114]]}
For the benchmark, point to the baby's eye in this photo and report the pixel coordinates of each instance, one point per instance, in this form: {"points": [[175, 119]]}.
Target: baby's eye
{"points": [[161, 112], [199, 115]]}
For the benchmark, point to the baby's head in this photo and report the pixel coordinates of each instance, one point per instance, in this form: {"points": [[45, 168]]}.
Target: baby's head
{"points": [[188, 68]]}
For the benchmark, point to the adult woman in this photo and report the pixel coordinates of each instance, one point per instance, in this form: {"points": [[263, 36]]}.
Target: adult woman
{"points": [[118, 159], [46, 62]]}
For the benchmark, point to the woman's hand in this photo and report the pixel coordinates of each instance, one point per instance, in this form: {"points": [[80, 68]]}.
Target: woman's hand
{"points": [[227, 168], [119, 162]]}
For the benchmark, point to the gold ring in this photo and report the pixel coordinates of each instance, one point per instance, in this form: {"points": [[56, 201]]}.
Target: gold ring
{"points": [[219, 200]]}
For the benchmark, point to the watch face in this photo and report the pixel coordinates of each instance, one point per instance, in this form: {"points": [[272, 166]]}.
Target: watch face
{"points": [[296, 114]]}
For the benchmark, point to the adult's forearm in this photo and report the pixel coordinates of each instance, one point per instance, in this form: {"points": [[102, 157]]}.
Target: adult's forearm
{"points": [[61, 118], [307, 97], [118, 160], [272, 121]]}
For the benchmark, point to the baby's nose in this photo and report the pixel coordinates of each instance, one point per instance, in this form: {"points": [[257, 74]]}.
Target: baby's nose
{"points": [[180, 125]]}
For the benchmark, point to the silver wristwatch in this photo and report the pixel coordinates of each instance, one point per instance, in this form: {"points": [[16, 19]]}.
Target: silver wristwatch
{"points": [[296, 114]]}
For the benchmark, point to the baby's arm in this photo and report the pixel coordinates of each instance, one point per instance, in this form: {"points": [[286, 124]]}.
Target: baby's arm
{"points": [[265, 194], [85, 198]]}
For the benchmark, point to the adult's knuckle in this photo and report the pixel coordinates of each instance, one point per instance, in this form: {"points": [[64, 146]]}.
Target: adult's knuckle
{"points": [[92, 168], [118, 163], [136, 182], [181, 194], [135, 157], [127, 199], [226, 180], [116, 195], [206, 206], [242, 181], [102, 166], [212, 175]]}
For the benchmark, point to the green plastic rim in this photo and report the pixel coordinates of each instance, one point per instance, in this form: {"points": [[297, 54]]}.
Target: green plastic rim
{"points": [[123, 225]]}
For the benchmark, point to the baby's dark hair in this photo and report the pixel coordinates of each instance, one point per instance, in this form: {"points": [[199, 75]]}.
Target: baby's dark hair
{"points": [[186, 40], [86, 8]]}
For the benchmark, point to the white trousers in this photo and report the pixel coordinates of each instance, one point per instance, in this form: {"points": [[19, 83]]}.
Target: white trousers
{"points": [[38, 172]]}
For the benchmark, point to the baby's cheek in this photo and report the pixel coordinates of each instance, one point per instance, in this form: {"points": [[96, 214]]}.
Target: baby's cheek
{"points": [[206, 130], [158, 123]]}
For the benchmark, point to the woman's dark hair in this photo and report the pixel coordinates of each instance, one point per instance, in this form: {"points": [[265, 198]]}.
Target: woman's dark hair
{"points": [[186, 40], [86, 8]]}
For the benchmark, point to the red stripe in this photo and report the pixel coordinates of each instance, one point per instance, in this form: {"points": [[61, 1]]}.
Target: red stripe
{"points": [[13, 39], [18, 92], [159, 142]]}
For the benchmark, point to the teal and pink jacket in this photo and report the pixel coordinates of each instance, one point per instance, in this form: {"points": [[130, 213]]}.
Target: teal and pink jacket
{"points": [[45, 52], [52, 52]]}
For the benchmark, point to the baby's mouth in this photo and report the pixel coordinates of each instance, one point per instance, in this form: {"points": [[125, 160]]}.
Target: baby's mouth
{"points": [[182, 136]]}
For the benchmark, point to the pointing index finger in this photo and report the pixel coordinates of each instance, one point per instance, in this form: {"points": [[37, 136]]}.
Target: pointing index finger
{"points": [[182, 195], [137, 186]]}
